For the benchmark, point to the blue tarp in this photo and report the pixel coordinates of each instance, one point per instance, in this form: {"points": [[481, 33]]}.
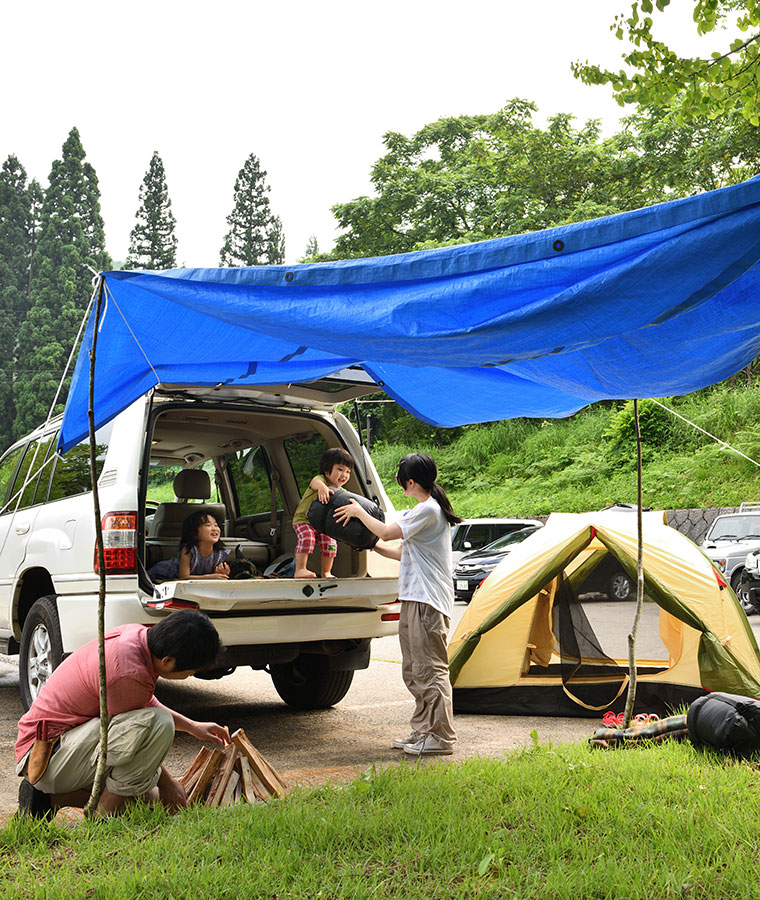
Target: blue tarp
{"points": [[655, 302]]}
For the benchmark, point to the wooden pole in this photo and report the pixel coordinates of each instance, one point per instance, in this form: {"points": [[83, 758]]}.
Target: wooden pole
{"points": [[100, 770], [631, 696]]}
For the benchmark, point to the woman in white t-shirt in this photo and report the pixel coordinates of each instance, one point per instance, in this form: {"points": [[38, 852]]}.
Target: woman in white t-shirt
{"points": [[427, 593]]}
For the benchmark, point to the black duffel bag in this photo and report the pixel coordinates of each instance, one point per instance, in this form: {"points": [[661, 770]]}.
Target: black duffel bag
{"points": [[725, 722], [354, 533]]}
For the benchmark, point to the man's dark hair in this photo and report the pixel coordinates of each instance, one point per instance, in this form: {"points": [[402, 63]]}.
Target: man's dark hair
{"points": [[335, 456], [188, 636]]}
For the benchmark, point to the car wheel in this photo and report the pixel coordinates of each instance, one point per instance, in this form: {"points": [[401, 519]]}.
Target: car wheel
{"points": [[741, 593], [41, 649], [620, 587], [308, 682]]}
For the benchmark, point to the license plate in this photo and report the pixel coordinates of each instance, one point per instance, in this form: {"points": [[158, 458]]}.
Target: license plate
{"points": [[463, 585]]}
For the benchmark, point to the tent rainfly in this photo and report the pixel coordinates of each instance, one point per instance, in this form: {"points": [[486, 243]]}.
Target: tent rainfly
{"points": [[525, 645]]}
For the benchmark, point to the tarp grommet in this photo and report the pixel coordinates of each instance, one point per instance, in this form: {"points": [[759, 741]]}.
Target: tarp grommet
{"points": [[288, 276], [558, 245]]}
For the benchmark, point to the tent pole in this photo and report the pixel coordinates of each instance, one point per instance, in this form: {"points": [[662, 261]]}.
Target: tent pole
{"points": [[631, 696], [100, 771]]}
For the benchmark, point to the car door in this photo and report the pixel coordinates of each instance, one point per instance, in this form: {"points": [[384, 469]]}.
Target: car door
{"points": [[21, 471]]}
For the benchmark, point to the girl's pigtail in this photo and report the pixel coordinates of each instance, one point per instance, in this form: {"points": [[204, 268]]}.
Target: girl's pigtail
{"points": [[438, 494]]}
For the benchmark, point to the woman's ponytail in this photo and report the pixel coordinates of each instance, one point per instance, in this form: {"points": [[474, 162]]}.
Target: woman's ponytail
{"points": [[421, 468]]}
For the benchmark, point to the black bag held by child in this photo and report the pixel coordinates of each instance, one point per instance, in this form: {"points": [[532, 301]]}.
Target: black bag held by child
{"points": [[354, 533], [725, 722]]}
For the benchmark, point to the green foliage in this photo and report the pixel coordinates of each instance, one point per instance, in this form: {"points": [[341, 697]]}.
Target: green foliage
{"points": [[543, 823], [657, 75], [19, 208], [71, 245], [527, 467], [152, 242], [475, 177], [255, 235], [312, 249]]}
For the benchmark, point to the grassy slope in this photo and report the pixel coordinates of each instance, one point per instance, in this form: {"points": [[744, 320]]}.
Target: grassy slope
{"points": [[545, 823], [532, 467]]}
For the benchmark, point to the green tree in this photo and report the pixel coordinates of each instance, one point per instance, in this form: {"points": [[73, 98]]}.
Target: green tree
{"points": [[657, 75], [312, 249], [255, 234], [152, 243], [19, 221], [70, 247]]}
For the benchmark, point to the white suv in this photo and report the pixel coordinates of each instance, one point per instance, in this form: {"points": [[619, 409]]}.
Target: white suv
{"points": [[247, 454]]}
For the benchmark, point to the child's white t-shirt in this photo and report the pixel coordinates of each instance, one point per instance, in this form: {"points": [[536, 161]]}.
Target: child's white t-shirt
{"points": [[425, 573]]}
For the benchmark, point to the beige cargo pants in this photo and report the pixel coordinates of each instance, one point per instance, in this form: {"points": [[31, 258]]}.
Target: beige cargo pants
{"points": [[423, 633], [138, 741]]}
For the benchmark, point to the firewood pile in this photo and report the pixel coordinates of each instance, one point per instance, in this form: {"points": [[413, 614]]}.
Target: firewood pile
{"points": [[223, 777]]}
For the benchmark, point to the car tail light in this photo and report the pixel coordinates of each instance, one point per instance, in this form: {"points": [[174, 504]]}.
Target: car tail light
{"points": [[119, 543], [390, 617]]}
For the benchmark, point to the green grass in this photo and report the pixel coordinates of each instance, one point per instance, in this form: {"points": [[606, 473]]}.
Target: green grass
{"points": [[562, 822], [532, 467]]}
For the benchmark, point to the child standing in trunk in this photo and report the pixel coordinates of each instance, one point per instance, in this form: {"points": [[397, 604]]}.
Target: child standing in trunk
{"points": [[335, 467]]}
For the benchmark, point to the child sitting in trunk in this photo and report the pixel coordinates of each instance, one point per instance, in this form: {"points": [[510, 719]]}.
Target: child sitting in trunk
{"points": [[335, 466], [201, 552]]}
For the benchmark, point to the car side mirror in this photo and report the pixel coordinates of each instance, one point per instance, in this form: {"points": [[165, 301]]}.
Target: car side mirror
{"points": [[467, 545]]}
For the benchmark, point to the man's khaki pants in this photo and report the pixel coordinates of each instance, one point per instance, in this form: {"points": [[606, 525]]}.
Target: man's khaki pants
{"points": [[423, 632], [138, 741]]}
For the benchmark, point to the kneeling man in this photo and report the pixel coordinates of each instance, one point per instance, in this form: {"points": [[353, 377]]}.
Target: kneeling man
{"points": [[67, 709]]}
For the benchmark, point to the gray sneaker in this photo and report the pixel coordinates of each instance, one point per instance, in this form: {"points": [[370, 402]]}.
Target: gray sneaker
{"points": [[429, 745], [412, 738]]}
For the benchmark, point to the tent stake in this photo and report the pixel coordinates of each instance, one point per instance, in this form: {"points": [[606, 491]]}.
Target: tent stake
{"points": [[631, 695], [100, 770]]}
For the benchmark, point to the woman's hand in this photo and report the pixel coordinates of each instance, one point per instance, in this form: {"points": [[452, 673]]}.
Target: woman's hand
{"points": [[351, 510]]}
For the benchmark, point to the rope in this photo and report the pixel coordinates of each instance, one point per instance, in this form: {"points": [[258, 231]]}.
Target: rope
{"points": [[716, 439]]}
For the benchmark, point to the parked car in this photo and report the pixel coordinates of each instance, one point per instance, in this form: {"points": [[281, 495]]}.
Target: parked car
{"points": [[473, 568], [245, 454], [749, 584], [730, 541], [609, 578], [473, 534]]}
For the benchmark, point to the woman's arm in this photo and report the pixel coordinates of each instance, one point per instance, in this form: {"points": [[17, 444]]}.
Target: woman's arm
{"points": [[391, 552], [387, 531]]}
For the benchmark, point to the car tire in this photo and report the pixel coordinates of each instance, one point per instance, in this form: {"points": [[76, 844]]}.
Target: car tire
{"points": [[620, 587], [41, 648], [308, 682], [741, 594]]}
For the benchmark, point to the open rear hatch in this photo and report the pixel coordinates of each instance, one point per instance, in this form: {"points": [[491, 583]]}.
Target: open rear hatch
{"points": [[274, 595]]}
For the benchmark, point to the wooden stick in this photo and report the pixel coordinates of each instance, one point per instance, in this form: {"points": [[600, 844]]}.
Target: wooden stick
{"points": [[207, 773], [253, 787], [272, 781], [228, 797], [188, 778], [219, 782]]}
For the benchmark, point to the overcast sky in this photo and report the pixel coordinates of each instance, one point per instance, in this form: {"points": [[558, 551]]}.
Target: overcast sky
{"points": [[310, 88]]}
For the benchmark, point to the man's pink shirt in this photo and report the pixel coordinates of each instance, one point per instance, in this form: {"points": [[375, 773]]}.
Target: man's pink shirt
{"points": [[71, 694]]}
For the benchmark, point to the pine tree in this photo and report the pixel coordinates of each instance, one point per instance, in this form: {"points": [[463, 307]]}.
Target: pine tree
{"points": [[255, 234], [19, 208], [71, 244], [152, 243]]}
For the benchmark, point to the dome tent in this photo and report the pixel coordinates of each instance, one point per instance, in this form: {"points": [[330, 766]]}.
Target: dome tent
{"points": [[525, 646]]}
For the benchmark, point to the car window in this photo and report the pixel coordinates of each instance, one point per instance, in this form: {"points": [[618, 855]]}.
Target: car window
{"points": [[514, 537], [7, 470], [734, 528], [478, 536], [304, 454], [34, 469], [72, 470], [248, 472]]}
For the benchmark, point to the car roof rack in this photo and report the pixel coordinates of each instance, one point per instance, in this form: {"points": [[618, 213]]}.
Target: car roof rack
{"points": [[752, 504]]}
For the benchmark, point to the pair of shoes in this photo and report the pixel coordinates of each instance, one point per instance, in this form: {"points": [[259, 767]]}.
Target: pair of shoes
{"points": [[32, 802], [412, 738], [429, 745]]}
